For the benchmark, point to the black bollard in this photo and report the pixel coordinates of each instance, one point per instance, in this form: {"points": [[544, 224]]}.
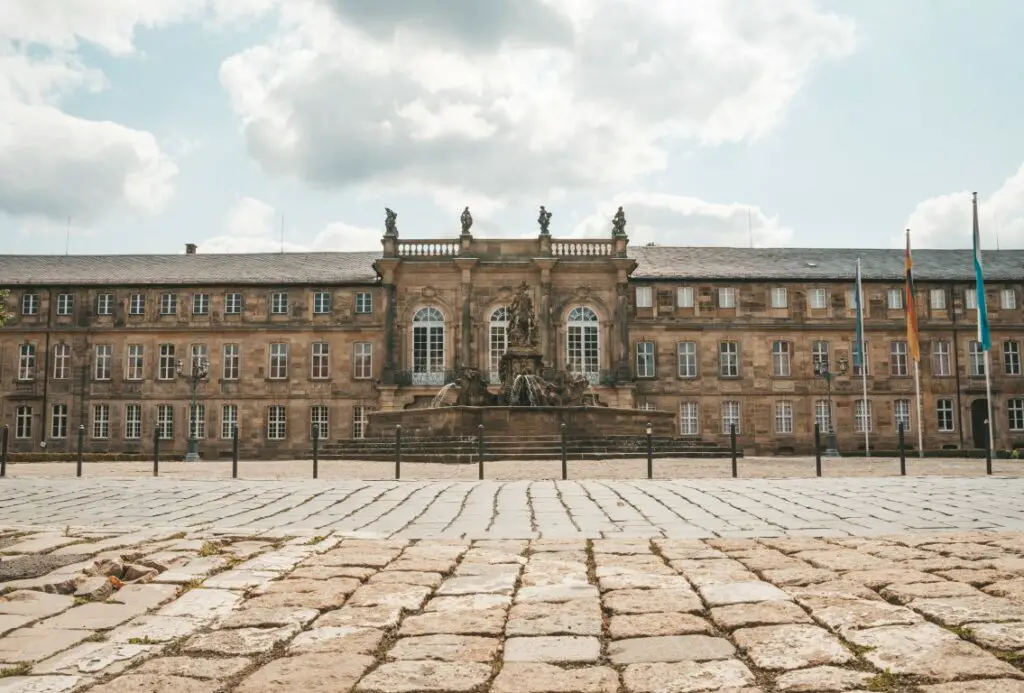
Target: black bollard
{"points": [[988, 456], [650, 453], [234, 451], [398, 451], [732, 444], [817, 448], [3, 450], [903, 452], [480, 451], [565, 457], [316, 451], [81, 443], [156, 448]]}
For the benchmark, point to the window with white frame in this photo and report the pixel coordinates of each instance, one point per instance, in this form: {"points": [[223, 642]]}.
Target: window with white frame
{"points": [[428, 347], [200, 304], [1008, 299], [1011, 357], [136, 304], [645, 360], [228, 421], [360, 419], [726, 297], [279, 303], [232, 304], [232, 365], [200, 353], [647, 406], [23, 422], [862, 419], [898, 360], [65, 304], [971, 299], [975, 359], [277, 422], [363, 361], [644, 297], [686, 353], [819, 351], [135, 362], [937, 298], [728, 359], [497, 341], [104, 361], [132, 421], [166, 365], [105, 304], [730, 416], [59, 421], [165, 421], [895, 299], [780, 297], [320, 361], [689, 419], [197, 421], [1015, 410], [782, 358], [169, 304], [783, 416], [901, 414], [62, 361], [319, 418], [684, 297], [321, 302], [582, 345], [101, 421], [944, 415], [279, 360], [940, 357], [30, 304], [823, 415], [364, 302], [27, 362], [818, 299]]}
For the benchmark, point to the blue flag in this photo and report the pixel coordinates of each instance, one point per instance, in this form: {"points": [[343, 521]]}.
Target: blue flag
{"points": [[983, 336], [858, 346]]}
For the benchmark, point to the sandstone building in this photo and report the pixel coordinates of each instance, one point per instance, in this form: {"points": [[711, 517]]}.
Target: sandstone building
{"points": [[719, 336]]}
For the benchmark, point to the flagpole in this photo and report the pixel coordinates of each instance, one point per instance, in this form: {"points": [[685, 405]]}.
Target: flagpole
{"points": [[984, 339], [920, 422], [988, 399]]}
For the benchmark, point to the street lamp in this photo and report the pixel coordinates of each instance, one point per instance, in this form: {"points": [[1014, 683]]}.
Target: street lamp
{"points": [[200, 369], [821, 368]]}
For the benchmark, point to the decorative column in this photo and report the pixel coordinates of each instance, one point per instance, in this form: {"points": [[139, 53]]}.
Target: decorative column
{"points": [[544, 322], [386, 268], [623, 267], [463, 358]]}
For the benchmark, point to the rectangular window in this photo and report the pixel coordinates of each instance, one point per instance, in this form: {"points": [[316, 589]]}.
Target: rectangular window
{"points": [[971, 299], [781, 359], [684, 297], [104, 361], [940, 358], [729, 359], [976, 359], [363, 361], [321, 303], [165, 421], [279, 303], [689, 419], [730, 417], [232, 362], [200, 355], [819, 351], [644, 297], [232, 304], [135, 362], [321, 360], [132, 421], [166, 369], [137, 304], [30, 304], [27, 362], [319, 418], [277, 422], [780, 297], [784, 417], [59, 421], [200, 304], [823, 415], [937, 297], [23, 422], [944, 415], [1011, 357], [895, 299], [1015, 410], [101, 421], [645, 360], [819, 299], [862, 416], [228, 420], [105, 304], [727, 297], [359, 421], [898, 359], [168, 304], [1008, 299], [197, 421], [279, 360], [65, 304], [364, 302], [901, 414], [62, 361], [865, 358], [687, 356]]}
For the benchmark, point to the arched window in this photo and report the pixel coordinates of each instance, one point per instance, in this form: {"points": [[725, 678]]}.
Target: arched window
{"points": [[497, 340], [582, 353], [428, 347]]}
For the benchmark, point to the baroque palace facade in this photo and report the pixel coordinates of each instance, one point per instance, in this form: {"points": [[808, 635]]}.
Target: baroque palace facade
{"points": [[719, 336]]}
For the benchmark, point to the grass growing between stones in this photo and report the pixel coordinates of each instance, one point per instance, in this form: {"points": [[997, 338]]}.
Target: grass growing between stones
{"points": [[210, 549], [20, 669], [887, 682]]}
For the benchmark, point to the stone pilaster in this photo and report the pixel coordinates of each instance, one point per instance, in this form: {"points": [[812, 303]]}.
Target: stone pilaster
{"points": [[544, 322], [624, 267], [464, 355], [386, 268]]}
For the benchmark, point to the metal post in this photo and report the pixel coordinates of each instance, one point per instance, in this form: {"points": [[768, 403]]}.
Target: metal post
{"points": [[316, 450], [3, 450], [398, 451], [817, 448], [192, 455], [81, 443], [565, 456], [650, 453], [903, 452], [988, 455], [732, 444], [480, 451], [234, 451], [156, 448]]}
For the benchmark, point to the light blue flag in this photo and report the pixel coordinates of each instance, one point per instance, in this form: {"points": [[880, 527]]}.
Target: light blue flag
{"points": [[858, 346], [983, 336]]}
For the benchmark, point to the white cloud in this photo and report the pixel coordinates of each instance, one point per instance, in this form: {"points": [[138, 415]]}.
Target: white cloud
{"points": [[575, 94], [674, 220], [946, 221]]}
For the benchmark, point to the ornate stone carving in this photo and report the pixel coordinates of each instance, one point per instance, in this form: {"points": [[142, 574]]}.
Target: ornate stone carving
{"points": [[544, 220], [467, 221], [522, 327], [390, 223], [619, 223]]}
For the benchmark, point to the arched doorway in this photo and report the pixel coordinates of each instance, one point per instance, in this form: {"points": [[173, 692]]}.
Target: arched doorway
{"points": [[979, 423]]}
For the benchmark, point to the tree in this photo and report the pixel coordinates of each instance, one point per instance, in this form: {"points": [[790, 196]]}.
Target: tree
{"points": [[4, 315]]}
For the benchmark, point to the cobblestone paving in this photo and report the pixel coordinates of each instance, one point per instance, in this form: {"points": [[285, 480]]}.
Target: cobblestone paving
{"points": [[589, 509], [141, 611]]}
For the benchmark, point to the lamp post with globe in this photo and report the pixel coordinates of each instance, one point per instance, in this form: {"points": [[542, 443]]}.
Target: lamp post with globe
{"points": [[821, 369], [200, 369]]}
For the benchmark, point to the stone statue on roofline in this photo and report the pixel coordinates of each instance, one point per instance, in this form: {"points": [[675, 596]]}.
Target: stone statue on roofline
{"points": [[467, 221], [544, 220], [619, 224], [390, 223]]}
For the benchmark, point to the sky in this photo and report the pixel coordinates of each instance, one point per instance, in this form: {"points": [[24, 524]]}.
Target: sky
{"points": [[136, 126]]}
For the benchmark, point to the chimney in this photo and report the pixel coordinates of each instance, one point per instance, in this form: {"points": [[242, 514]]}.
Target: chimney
{"points": [[190, 248]]}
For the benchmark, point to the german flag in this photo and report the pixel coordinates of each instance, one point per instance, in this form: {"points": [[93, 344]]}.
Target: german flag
{"points": [[913, 337]]}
